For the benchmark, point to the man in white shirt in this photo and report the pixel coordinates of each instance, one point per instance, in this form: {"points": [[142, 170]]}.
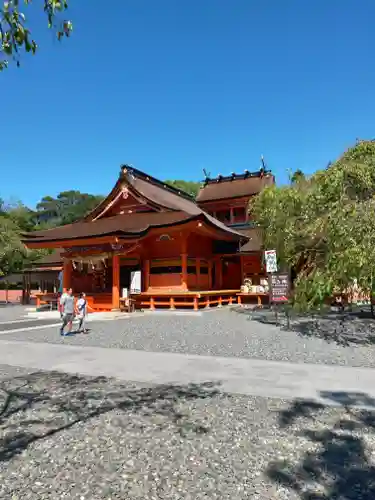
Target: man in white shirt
{"points": [[67, 307], [62, 300]]}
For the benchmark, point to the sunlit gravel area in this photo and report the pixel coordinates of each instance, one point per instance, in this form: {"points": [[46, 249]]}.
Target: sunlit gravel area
{"points": [[216, 333]]}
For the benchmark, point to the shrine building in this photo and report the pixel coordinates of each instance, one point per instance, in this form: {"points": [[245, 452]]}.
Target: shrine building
{"points": [[186, 252]]}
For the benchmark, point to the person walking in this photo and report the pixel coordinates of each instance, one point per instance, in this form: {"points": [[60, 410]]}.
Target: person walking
{"points": [[82, 312], [61, 301], [67, 310]]}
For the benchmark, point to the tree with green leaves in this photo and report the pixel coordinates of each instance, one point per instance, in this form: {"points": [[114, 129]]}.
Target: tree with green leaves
{"points": [[15, 37], [67, 207], [297, 176], [323, 227], [13, 254], [16, 218]]}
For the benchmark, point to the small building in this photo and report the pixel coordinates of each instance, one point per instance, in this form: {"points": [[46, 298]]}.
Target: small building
{"points": [[43, 276], [176, 248]]}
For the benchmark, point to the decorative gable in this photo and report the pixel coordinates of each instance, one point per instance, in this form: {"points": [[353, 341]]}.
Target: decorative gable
{"points": [[125, 202]]}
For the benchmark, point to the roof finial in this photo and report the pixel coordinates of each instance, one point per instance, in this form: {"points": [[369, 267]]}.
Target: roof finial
{"points": [[206, 174], [263, 166]]}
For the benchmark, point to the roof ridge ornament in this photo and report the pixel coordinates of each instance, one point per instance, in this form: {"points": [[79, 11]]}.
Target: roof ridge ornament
{"points": [[263, 163]]}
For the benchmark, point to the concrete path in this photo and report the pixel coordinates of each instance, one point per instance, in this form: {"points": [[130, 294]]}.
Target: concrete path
{"points": [[40, 320], [243, 376]]}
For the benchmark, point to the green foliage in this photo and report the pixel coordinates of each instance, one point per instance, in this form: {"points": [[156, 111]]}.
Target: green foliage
{"points": [[15, 37], [16, 218], [12, 252], [67, 207], [324, 226], [21, 215], [297, 176], [189, 187]]}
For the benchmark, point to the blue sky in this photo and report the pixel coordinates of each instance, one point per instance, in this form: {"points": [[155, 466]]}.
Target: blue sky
{"points": [[175, 86]]}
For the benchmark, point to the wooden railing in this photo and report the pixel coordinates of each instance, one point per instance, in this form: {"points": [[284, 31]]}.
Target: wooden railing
{"points": [[247, 298], [190, 300]]}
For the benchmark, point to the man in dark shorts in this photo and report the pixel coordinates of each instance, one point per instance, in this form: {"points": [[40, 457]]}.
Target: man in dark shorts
{"points": [[67, 310]]}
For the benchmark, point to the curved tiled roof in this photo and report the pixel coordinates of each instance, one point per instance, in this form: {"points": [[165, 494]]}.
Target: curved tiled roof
{"points": [[120, 225], [233, 187], [159, 194], [173, 207]]}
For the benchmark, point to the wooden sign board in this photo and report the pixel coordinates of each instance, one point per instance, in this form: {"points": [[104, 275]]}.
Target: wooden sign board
{"points": [[279, 285]]}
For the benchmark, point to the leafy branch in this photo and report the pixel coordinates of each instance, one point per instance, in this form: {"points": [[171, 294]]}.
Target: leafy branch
{"points": [[15, 37], [323, 227]]}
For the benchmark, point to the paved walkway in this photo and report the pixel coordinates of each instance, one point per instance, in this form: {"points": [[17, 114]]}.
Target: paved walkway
{"points": [[241, 376]]}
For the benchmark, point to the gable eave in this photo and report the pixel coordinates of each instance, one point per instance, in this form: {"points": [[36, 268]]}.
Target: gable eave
{"points": [[123, 183]]}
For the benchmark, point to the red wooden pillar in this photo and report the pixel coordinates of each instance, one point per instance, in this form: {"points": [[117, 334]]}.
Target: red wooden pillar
{"points": [[67, 274], [184, 275], [23, 289], [115, 282], [146, 275], [198, 272], [231, 216], [219, 272], [184, 259], [209, 275], [241, 264]]}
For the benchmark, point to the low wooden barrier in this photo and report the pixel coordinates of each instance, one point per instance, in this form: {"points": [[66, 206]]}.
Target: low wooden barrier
{"points": [[194, 300], [43, 299], [99, 302], [261, 298], [95, 302]]}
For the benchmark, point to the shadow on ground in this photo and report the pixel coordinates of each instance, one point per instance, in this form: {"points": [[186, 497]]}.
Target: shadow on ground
{"points": [[346, 328], [338, 465], [59, 401]]}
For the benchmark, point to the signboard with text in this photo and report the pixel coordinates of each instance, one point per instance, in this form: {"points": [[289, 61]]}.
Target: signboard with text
{"points": [[135, 282], [279, 285], [271, 261]]}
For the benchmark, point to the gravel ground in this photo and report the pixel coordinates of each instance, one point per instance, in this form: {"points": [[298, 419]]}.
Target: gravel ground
{"points": [[11, 312], [9, 372], [216, 333], [81, 438]]}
